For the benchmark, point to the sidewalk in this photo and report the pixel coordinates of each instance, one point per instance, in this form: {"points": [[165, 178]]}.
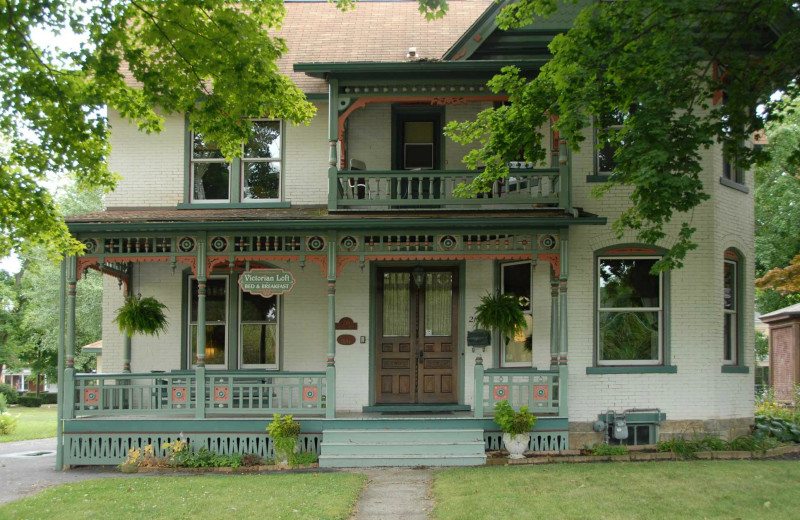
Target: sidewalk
{"points": [[395, 494]]}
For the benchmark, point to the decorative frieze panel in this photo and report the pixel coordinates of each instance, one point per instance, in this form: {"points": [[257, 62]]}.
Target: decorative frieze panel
{"points": [[417, 89], [267, 243], [439, 243]]}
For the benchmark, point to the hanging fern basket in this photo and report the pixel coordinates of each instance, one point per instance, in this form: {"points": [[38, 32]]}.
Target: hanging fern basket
{"points": [[502, 313], [141, 316]]}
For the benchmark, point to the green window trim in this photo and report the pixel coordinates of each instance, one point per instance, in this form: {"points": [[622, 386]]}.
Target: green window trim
{"points": [[735, 369], [663, 364], [735, 365], [740, 186]]}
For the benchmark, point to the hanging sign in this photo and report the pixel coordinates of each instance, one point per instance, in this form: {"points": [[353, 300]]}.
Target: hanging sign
{"points": [[267, 282]]}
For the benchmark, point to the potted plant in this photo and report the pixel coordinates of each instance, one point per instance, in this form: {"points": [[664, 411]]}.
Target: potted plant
{"points": [[284, 432], [141, 316], [501, 313], [516, 427]]}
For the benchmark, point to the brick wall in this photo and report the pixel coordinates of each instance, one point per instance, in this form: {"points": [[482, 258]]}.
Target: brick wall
{"points": [[784, 345]]}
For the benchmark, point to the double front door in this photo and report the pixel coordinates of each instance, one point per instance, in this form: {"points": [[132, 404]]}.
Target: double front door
{"points": [[417, 336]]}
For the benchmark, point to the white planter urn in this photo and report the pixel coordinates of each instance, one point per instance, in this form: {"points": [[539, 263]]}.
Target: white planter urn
{"points": [[516, 444]]}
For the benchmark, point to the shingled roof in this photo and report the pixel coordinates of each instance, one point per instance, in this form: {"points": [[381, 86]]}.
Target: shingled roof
{"points": [[373, 31], [318, 32]]}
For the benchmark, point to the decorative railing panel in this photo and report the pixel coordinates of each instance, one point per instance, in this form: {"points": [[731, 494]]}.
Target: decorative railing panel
{"points": [[434, 188], [125, 394], [246, 392], [538, 390], [260, 392]]}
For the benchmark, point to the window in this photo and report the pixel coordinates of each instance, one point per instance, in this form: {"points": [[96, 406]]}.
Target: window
{"points": [[630, 311], [209, 172], [254, 178], [516, 279], [258, 330], [730, 309], [216, 321], [605, 147], [731, 172]]}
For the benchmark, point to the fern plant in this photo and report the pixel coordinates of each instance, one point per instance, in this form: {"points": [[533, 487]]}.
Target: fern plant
{"points": [[141, 316], [502, 313]]}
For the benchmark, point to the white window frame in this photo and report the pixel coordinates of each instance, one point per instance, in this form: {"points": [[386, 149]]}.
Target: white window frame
{"points": [[191, 323], [659, 310], [733, 334], [267, 366], [503, 362], [244, 160], [194, 161]]}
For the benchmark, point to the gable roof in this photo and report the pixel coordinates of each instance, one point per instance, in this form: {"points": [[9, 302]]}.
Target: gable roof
{"points": [[786, 312], [372, 32]]}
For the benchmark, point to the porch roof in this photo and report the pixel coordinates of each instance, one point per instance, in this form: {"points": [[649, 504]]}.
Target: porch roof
{"points": [[318, 217]]}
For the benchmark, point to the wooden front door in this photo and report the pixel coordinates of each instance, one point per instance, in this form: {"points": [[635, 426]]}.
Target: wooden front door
{"points": [[417, 336]]}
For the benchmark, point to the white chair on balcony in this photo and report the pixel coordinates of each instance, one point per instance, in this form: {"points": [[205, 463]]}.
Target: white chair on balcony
{"points": [[359, 187]]}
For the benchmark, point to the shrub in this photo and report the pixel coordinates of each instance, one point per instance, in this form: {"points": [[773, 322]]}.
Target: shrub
{"points": [[679, 446], [251, 459], [8, 423], [10, 392], [513, 422], [284, 431], [3, 403], [304, 459], [29, 401], [48, 398]]}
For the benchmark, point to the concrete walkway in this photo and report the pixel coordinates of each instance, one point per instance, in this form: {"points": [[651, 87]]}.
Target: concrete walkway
{"points": [[395, 494]]}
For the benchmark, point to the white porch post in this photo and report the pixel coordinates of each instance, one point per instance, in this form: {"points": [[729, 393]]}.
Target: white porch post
{"points": [[330, 370]]}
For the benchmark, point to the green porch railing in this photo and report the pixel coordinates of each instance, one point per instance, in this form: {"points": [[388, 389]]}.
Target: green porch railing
{"points": [[536, 389], [434, 188], [124, 394], [245, 392], [260, 392]]}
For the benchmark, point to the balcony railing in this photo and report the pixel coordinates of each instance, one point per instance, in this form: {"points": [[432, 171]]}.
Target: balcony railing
{"points": [[373, 189], [244, 392]]}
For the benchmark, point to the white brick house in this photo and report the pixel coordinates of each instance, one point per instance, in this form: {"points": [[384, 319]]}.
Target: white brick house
{"points": [[388, 268]]}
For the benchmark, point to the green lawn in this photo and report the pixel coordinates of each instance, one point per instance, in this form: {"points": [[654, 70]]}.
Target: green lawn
{"points": [[713, 489], [273, 496], [34, 423]]}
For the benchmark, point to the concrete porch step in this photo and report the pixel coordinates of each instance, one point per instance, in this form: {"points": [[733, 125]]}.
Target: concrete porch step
{"points": [[418, 447]]}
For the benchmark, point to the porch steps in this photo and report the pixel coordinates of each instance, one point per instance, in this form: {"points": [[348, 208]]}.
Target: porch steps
{"points": [[419, 447]]}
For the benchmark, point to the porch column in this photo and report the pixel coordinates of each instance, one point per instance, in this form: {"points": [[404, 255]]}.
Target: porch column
{"points": [[564, 183], [554, 321], [200, 371], [333, 137], [479, 371], [69, 355], [563, 335], [62, 314], [126, 339], [330, 370]]}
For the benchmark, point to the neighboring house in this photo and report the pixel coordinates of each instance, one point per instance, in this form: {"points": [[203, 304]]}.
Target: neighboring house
{"points": [[784, 350], [762, 365], [95, 349], [22, 380], [370, 270]]}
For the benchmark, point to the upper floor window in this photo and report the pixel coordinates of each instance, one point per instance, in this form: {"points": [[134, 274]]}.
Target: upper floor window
{"points": [[606, 128], [630, 311], [730, 308], [731, 172], [254, 178]]}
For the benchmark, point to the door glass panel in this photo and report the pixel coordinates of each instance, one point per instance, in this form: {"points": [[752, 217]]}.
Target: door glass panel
{"points": [[396, 304], [438, 304]]}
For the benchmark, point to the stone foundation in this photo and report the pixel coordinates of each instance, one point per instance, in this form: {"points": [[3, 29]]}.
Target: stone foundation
{"points": [[581, 433]]}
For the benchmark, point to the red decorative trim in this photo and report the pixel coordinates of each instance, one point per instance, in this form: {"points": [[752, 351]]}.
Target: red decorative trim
{"points": [[731, 255], [477, 37], [554, 259], [500, 392], [91, 395], [85, 262], [309, 393], [221, 393], [331, 362], [191, 261], [448, 100], [342, 260], [213, 261], [460, 54], [179, 394], [320, 260], [540, 392], [631, 251], [346, 340], [346, 324]]}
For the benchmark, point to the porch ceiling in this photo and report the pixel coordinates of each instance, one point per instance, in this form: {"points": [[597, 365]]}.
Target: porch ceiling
{"points": [[319, 218]]}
